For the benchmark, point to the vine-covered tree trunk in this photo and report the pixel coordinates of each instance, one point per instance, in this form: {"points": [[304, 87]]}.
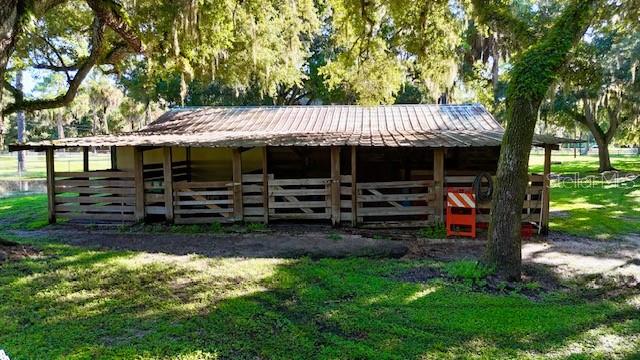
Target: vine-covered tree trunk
{"points": [[531, 77], [21, 125]]}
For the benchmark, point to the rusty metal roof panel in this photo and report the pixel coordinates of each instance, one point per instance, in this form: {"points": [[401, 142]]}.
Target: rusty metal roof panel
{"points": [[243, 126]]}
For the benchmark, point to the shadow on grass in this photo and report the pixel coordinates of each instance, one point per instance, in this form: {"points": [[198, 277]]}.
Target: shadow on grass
{"points": [[74, 302]]}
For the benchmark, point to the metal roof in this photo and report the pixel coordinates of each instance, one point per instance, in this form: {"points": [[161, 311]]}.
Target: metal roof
{"points": [[325, 125]]}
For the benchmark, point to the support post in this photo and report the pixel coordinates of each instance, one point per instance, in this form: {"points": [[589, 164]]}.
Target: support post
{"points": [[51, 188], [545, 190], [168, 183], [138, 176], [354, 187], [85, 159], [335, 185], [236, 158], [114, 157], [188, 158], [438, 183], [265, 185]]}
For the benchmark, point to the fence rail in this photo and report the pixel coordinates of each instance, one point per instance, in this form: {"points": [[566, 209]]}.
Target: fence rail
{"points": [[95, 195], [203, 202]]}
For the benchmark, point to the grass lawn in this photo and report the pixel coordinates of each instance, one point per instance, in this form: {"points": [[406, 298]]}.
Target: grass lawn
{"points": [[596, 209], [81, 303], [36, 168], [85, 303]]}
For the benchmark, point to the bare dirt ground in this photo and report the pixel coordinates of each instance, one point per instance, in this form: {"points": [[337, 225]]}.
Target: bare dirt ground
{"points": [[567, 256]]}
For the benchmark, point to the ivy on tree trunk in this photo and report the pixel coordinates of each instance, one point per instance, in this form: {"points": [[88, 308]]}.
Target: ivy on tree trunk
{"points": [[532, 75]]}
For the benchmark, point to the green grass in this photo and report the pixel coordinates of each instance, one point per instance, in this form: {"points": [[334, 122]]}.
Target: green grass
{"points": [[83, 304], [597, 210], [36, 167], [23, 212]]}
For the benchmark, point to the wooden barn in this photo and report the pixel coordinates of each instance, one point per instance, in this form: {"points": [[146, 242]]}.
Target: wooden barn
{"points": [[362, 166]]}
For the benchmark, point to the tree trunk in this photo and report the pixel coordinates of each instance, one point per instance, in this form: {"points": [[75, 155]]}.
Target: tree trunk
{"points": [[531, 77], [603, 154], [10, 12], [60, 126], [20, 122]]}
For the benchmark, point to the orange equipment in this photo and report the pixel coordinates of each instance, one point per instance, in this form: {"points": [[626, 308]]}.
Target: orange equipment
{"points": [[461, 212]]}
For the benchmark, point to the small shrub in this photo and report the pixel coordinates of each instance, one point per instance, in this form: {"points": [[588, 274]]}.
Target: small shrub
{"points": [[469, 271], [437, 231], [215, 227], [256, 227], [334, 236]]}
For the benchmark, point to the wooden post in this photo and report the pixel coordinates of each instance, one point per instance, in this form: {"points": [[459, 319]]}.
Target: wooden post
{"points": [[354, 188], [545, 190], [188, 158], [335, 185], [168, 183], [85, 159], [114, 157], [438, 183], [265, 185], [236, 158], [138, 175], [51, 188]]}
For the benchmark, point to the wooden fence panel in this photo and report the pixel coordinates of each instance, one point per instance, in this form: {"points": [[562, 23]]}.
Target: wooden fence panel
{"points": [[395, 202], [531, 210], [203, 202], [300, 199], [96, 196]]}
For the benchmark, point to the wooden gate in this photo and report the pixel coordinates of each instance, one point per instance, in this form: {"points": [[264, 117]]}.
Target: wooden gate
{"points": [[203, 202], [395, 203], [304, 199]]}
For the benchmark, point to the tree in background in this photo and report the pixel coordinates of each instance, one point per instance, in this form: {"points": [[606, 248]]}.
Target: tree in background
{"points": [[598, 89]]}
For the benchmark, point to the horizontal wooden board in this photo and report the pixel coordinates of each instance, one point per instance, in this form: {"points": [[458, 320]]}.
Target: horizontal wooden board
{"points": [[394, 197], [202, 220], [202, 211], [203, 202], [95, 208], [299, 216], [109, 217], [95, 190], [296, 204], [150, 198], [394, 211], [249, 211], [201, 184], [297, 192], [204, 193], [394, 184], [291, 182], [95, 199], [111, 183], [94, 174], [252, 188]]}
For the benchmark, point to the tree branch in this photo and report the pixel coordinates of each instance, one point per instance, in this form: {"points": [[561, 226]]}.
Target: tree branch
{"points": [[74, 84], [500, 18], [112, 14]]}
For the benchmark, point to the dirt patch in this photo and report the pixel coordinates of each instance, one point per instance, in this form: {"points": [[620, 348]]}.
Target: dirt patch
{"points": [[12, 251], [281, 243], [445, 250]]}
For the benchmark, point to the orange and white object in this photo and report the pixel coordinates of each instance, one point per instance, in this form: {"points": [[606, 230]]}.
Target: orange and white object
{"points": [[461, 213]]}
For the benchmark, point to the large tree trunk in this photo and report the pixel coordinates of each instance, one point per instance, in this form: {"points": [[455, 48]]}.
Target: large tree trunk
{"points": [[531, 77], [10, 12], [603, 154]]}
